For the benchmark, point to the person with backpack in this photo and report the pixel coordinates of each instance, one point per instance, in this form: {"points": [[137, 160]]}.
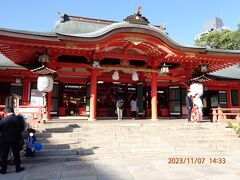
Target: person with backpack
{"points": [[31, 140], [119, 106]]}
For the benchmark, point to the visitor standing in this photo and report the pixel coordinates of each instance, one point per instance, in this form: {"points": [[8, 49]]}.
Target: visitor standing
{"points": [[10, 130], [134, 107], [119, 106], [189, 105]]}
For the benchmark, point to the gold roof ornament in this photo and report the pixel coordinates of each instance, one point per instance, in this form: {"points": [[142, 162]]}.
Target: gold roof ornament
{"points": [[137, 18], [139, 9]]}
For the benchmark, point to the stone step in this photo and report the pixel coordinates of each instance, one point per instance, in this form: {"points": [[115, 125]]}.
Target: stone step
{"points": [[139, 145], [139, 130], [138, 142], [151, 144], [130, 139], [133, 126], [126, 122], [131, 129], [107, 140], [63, 152], [144, 133], [149, 150], [92, 137], [58, 141], [61, 145], [156, 155], [197, 151]]}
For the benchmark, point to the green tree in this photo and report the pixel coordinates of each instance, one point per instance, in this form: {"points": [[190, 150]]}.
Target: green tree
{"points": [[237, 38], [220, 40]]}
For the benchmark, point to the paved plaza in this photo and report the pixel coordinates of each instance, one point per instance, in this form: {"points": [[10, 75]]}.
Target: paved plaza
{"points": [[129, 169]]}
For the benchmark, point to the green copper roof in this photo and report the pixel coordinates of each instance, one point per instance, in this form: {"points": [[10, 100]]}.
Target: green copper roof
{"points": [[232, 72], [73, 27], [6, 63], [75, 24]]}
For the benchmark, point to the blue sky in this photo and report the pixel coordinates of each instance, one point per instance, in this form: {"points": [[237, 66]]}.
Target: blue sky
{"points": [[184, 18]]}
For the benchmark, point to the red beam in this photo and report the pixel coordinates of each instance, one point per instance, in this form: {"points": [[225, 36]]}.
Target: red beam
{"points": [[123, 80], [124, 56], [15, 72], [164, 84], [8, 79], [73, 65], [73, 73], [71, 80], [121, 75], [176, 71], [170, 78]]}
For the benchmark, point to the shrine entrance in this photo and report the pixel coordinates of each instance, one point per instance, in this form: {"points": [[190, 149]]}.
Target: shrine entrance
{"points": [[73, 100], [108, 92]]}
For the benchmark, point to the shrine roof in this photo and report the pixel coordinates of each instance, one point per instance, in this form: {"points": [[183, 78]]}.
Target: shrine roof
{"points": [[88, 28], [81, 34], [28, 34], [83, 27], [6, 63], [232, 72], [78, 28], [76, 24]]}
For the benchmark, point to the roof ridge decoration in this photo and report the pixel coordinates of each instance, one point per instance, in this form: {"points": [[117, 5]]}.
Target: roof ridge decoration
{"points": [[137, 18], [43, 70], [197, 79], [63, 17]]}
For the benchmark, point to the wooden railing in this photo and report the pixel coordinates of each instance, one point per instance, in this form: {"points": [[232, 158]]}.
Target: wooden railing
{"points": [[226, 114], [33, 114]]}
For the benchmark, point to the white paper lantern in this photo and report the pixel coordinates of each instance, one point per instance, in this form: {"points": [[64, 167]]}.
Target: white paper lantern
{"points": [[196, 88], [45, 83], [135, 76], [115, 76]]}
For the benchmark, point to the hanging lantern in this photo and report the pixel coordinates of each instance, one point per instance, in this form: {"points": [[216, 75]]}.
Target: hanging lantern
{"points": [[115, 76], [164, 69], [45, 83], [96, 64], [135, 76], [44, 58], [196, 88], [204, 68]]}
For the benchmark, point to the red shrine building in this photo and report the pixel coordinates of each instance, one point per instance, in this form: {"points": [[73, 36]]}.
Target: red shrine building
{"points": [[94, 60]]}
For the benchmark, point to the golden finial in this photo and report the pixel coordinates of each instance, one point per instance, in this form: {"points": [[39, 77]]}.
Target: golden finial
{"points": [[139, 9]]}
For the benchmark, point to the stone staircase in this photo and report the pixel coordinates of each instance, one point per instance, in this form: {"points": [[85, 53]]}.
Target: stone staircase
{"points": [[108, 139]]}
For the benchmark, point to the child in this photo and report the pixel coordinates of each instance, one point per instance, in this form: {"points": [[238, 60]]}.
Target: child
{"points": [[30, 143]]}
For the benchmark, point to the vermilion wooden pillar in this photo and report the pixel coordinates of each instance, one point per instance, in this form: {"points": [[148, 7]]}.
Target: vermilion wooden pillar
{"points": [[49, 105], [93, 95], [26, 92], [154, 97]]}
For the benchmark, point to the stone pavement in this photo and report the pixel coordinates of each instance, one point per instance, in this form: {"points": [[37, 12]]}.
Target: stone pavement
{"points": [[129, 169]]}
